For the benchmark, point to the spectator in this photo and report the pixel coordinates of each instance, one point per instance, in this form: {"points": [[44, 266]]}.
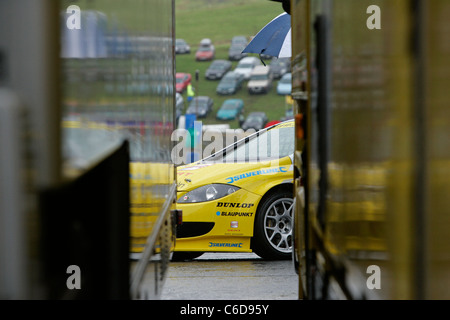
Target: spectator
{"points": [[190, 92]]}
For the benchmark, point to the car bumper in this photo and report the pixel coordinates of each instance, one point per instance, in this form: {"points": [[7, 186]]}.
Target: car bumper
{"points": [[257, 89], [223, 225], [213, 76], [225, 92]]}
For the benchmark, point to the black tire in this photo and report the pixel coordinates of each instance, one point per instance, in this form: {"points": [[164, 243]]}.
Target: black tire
{"points": [[272, 237], [178, 256]]}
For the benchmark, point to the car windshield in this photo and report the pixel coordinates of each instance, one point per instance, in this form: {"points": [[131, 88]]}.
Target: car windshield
{"points": [[198, 102], [278, 63], [286, 80], [245, 66], [239, 40], [230, 76], [203, 49], [227, 82], [259, 77], [269, 145], [217, 66], [254, 119], [230, 106]]}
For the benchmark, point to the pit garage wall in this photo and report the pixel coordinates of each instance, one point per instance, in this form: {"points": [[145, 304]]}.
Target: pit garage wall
{"points": [[383, 154], [434, 79], [118, 83], [68, 106], [29, 139]]}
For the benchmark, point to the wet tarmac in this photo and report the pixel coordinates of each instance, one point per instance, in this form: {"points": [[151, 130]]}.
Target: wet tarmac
{"points": [[230, 276]]}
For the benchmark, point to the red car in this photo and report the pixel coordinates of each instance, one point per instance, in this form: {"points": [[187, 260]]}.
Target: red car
{"points": [[206, 51], [183, 79]]}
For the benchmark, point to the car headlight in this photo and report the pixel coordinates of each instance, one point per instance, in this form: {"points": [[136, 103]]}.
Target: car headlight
{"points": [[208, 193]]}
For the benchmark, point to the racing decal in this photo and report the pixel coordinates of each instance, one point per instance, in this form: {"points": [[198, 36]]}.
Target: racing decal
{"points": [[226, 244], [236, 214], [234, 224], [234, 205], [184, 173], [195, 167], [256, 173], [180, 185]]}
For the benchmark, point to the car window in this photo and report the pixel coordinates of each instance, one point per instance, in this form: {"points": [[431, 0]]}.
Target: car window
{"points": [[230, 106], [245, 65], [230, 76], [217, 66], [228, 80], [254, 119], [272, 144], [286, 80], [259, 77]]}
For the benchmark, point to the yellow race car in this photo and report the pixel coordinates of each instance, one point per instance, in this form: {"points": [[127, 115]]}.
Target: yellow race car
{"points": [[239, 199]]}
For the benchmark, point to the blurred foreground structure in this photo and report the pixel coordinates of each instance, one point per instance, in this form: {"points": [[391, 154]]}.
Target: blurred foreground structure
{"points": [[86, 181]]}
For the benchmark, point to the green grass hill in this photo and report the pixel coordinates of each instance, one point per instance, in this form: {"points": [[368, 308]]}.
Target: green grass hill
{"points": [[220, 20]]}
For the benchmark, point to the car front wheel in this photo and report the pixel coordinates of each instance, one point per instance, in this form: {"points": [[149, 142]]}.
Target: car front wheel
{"points": [[273, 237]]}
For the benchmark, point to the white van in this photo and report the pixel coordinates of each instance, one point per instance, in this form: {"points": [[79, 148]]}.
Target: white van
{"points": [[260, 80], [246, 65]]}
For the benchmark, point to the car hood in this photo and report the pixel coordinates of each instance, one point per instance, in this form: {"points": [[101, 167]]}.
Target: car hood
{"points": [[239, 174], [226, 85]]}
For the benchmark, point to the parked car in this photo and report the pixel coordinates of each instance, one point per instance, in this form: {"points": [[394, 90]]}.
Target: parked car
{"points": [[239, 40], [200, 106], [246, 65], [260, 80], [230, 109], [238, 43], [206, 51], [230, 83], [255, 120], [217, 69], [239, 199], [280, 66], [181, 46], [284, 86], [182, 81], [235, 52]]}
